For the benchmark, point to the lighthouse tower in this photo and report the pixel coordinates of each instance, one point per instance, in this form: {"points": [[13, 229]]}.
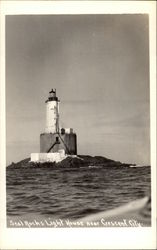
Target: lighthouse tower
{"points": [[52, 113], [55, 138], [55, 143]]}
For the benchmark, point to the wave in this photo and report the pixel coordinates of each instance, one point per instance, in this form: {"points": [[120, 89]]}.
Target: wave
{"points": [[139, 210], [138, 166]]}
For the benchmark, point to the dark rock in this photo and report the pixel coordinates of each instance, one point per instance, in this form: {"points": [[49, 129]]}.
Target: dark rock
{"points": [[79, 161]]}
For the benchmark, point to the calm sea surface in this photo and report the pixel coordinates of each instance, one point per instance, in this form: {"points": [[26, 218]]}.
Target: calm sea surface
{"points": [[73, 192]]}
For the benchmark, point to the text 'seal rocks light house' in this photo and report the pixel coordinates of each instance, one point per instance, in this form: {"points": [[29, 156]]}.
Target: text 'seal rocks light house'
{"points": [[56, 143]]}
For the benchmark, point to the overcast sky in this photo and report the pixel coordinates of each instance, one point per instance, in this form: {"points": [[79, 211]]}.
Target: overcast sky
{"points": [[99, 65]]}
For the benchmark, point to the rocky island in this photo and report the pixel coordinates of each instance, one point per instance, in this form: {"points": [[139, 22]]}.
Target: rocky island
{"points": [[71, 161]]}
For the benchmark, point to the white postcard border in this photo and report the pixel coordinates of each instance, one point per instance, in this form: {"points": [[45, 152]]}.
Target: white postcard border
{"points": [[75, 238]]}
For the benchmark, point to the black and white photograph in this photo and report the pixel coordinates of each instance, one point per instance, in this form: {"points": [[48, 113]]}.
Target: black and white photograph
{"points": [[78, 112]]}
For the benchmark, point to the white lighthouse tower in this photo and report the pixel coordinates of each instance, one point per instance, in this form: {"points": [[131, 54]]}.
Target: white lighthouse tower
{"points": [[52, 113]]}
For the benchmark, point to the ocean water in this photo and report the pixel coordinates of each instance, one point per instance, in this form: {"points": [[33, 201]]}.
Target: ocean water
{"points": [[73, 192]]}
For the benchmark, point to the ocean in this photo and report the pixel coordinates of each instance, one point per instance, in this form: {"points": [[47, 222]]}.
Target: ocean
{"points": [[73, 192]]}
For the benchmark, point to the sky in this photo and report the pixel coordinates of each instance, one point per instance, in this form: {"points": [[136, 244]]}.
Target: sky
{"points": [[99, 65]]}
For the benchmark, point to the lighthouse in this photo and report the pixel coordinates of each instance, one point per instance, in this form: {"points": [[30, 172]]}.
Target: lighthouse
{"points": [[52, 113], [56, 143]]}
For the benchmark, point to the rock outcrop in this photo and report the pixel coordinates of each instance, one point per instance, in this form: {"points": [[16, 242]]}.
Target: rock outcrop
{"points": [[70, 161]]}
